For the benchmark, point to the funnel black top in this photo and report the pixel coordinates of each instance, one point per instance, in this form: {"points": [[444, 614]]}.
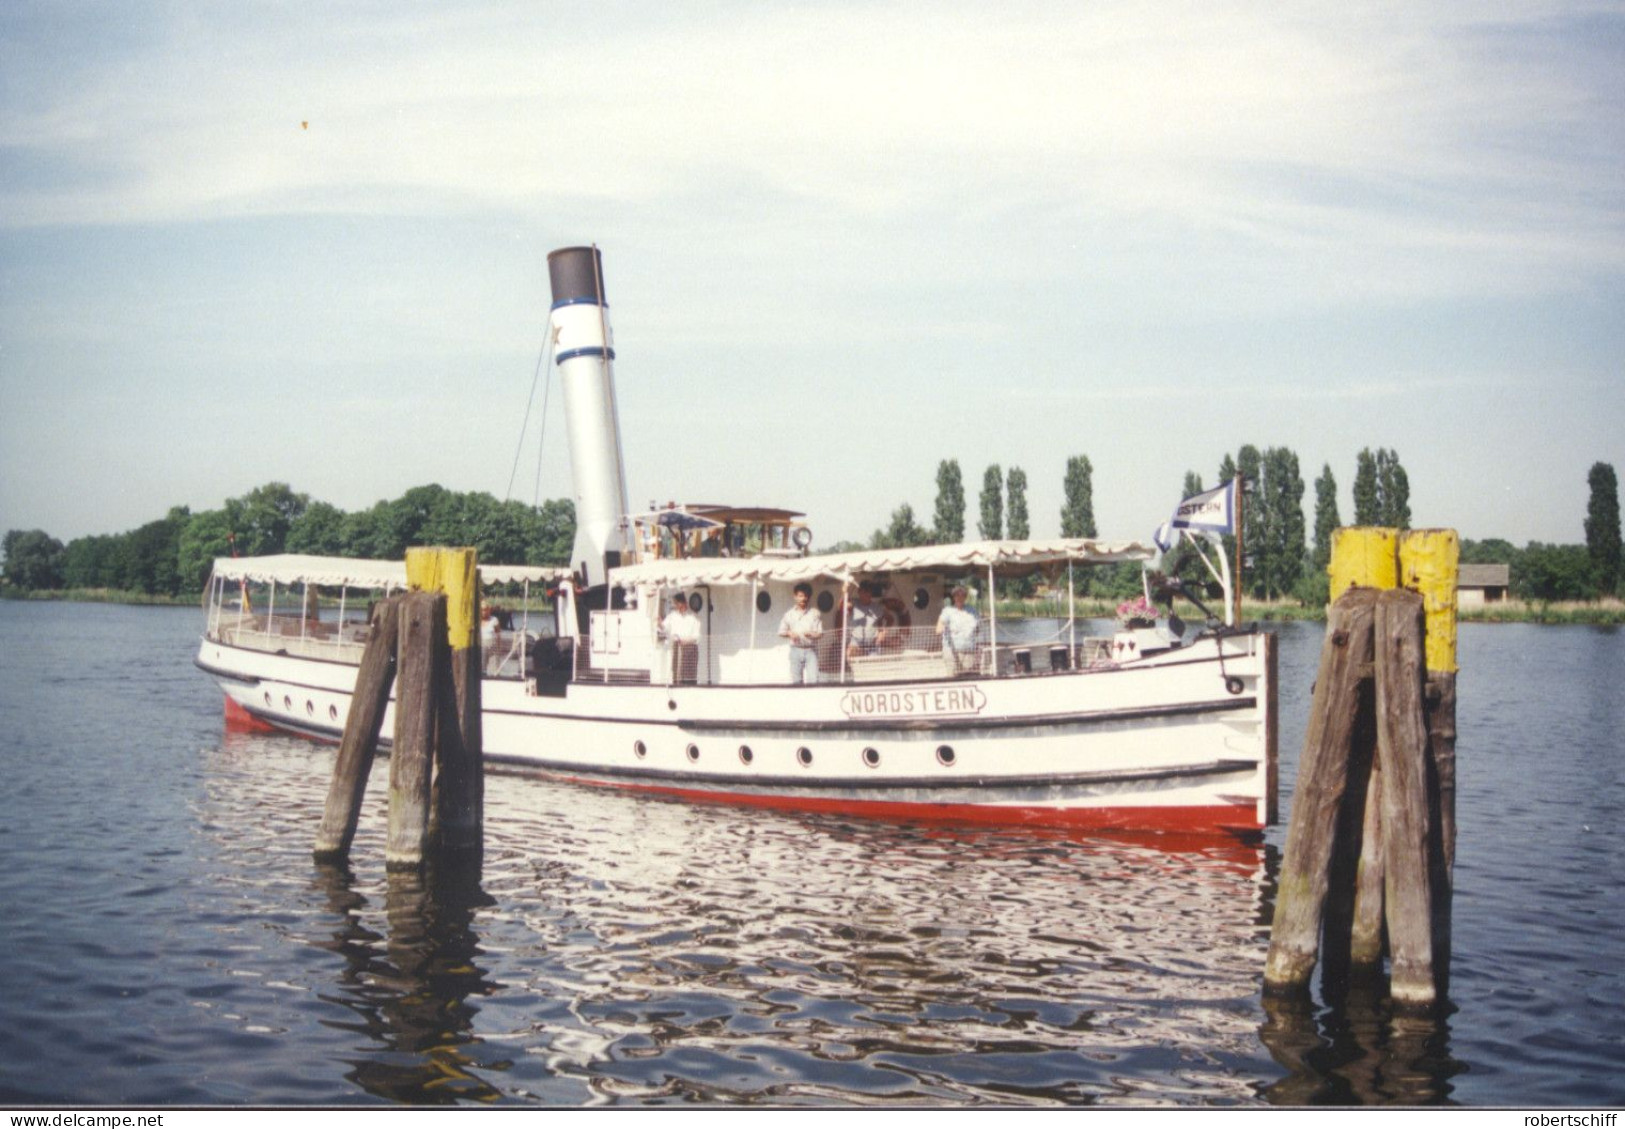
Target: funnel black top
{"points": [[577, 275]]}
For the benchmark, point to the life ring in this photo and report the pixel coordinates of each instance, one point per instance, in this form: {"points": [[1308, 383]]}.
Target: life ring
{"points": [[801, 537]]}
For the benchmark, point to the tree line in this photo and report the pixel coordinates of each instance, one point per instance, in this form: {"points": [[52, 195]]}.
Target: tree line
{"points": [[172, 556], [1282, 561]]}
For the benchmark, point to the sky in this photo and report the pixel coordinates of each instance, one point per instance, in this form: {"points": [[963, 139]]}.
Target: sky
{"points": [[251, 242]]}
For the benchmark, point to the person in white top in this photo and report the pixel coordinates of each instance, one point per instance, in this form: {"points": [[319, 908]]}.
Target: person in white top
{"points": [[681, 628], [804, 627], [957, 626]]}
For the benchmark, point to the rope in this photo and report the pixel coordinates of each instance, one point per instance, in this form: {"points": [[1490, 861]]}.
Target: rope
{"points": [[519, 448]]}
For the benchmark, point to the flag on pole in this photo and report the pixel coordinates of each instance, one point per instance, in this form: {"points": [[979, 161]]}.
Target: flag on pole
{"points": [[1212, 510]]}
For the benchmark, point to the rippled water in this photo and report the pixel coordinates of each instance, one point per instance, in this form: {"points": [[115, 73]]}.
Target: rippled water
{"points": [[169, 941]]}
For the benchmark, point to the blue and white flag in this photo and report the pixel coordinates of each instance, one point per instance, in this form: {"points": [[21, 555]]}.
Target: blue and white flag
{"points": [[1212, 510]]}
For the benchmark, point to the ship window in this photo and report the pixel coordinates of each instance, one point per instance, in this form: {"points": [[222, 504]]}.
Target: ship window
{"points": [[871, 757], [922, 598], [693, 752], [826, 601], [267, 697], [695, 602], [745, 755], [945, 755], [310, 708], [763, 601], [287, 702], [639, 749], [804, 755], [333, 713]]}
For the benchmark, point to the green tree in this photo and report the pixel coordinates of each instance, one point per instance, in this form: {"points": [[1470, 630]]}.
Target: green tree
{"points": [[1192, 486], [1367, 494], [555, 533], [1394, 489], [207, 535], [1016, 501], [319, 530], [903, 531], [262, 518], [1553, 572], [1326, 519], [1602, 528], [33, 560], [949, 527], [1283, 525], [1078, 506], [1250, 465], [991, 524], [152, 556]]}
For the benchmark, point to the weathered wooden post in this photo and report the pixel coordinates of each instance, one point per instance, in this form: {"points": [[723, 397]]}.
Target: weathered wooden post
{"points": [[458, 820], [1322, 777], [411, 760], [1402, 752], [361, 729]]}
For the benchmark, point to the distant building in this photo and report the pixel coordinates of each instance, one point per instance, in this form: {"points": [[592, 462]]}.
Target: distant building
{"points": [[1480, 584]]}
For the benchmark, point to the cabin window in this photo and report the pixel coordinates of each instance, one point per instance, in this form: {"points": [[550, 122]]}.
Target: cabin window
{"points": [[804, 756], [826, 601], [763, 601], [332, 713], [745, 755], [693, 752], [945, 755], [695, 602], [922, 599], [871, 757], [639, 749]]}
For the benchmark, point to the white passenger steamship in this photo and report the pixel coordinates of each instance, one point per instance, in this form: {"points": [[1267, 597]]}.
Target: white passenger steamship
{"points": [[1140, 729]]}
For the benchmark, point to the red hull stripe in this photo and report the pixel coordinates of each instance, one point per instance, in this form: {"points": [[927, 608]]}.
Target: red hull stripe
{"points": [[1231, 818], [241, 721]]}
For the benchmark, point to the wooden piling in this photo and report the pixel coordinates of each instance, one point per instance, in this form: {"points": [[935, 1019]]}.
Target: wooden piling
{"points": [[422, 629], [361, 729], [458, 818], [1402, 750], [1365, 930], [1322, 778]]}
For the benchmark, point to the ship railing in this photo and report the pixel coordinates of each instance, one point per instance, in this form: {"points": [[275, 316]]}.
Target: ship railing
{"points": [[889, 654], [294, 635]]}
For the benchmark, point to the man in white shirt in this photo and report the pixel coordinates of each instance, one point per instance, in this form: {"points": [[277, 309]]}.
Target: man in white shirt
{"points": [[681, 628], [804, 627], [957, 626]]}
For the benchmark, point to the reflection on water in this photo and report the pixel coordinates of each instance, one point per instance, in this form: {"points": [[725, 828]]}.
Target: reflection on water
{"points": [[617, 949]]}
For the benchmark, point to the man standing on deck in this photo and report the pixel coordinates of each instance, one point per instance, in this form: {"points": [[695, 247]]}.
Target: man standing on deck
{"points": [[804, 627], [681, 628]]}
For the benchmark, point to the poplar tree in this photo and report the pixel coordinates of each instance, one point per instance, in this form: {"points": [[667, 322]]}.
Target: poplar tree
{"points": [[1283, 525], [1326, 519], [950, 516], [1394, 489], [1602, 528], [991, 525], [1367, 499], [1016, 501], [1250, 465], [1078, 506]]}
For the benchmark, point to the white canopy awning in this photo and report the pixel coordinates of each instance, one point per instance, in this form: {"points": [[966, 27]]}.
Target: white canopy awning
{"points": [[296, 568], [1003, 556]]}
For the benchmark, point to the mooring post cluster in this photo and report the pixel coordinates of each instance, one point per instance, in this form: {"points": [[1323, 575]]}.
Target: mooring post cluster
{"points": [[1371, 842], [425, 643]]}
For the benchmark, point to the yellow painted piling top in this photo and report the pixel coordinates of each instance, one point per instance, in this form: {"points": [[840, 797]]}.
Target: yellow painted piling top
{"points": [[1429, 564], [1364, 555], [454, 572]]}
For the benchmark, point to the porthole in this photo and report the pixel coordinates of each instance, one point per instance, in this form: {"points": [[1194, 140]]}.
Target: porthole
{"points": [[693, 752], [287, 703], [268, 699], [826, 601], [332, 713], [745, 755], [871, 757], [310, 708], [945, 755], [695, 602], [922, 599], [804, 756], [639, 749], [763, 601]]}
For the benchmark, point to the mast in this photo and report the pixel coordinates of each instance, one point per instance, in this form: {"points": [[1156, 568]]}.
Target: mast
{"points": [[579, 321]]}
